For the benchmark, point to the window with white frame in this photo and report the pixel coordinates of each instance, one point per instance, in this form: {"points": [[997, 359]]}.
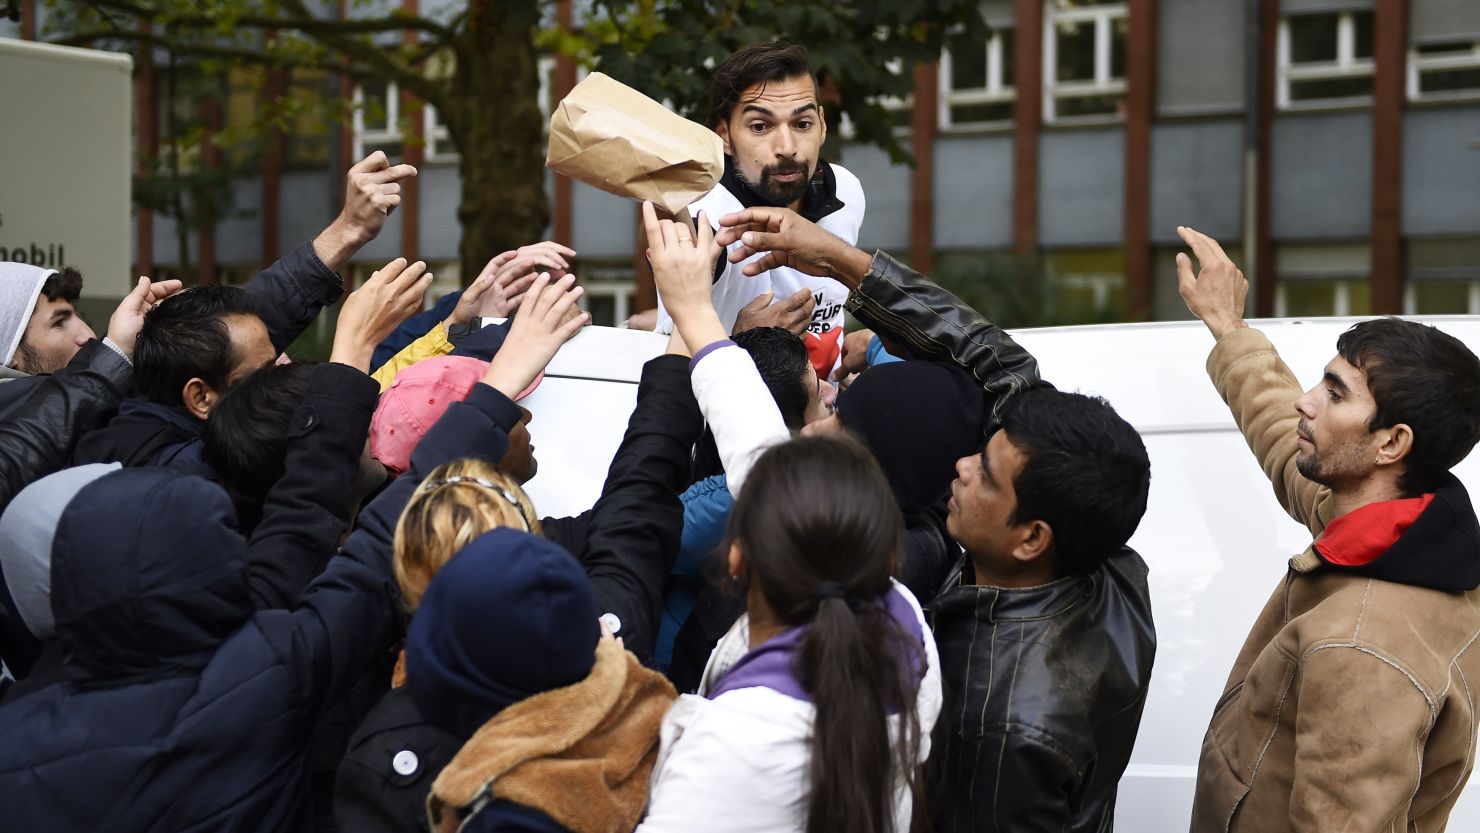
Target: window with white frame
{"points": [[1325, 59], [1310, 297], [1441, 297], [899, 109], [378, 126], [439, 146], [609, 295], [1323, 279], [1084, 43], [377, 119], [976, 80], [1444, 70], [546, 69]]}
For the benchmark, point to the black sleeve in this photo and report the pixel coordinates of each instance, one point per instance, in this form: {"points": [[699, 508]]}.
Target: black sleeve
{"points": [[291, 292], [348, 614], [1006, 781], [633, 531], [568, 532], [930, 556], [913, 311], [38, 435], [307, 511]]}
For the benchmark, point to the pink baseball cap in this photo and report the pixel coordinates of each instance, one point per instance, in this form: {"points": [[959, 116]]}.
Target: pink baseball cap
{"points": [[415, 401]]}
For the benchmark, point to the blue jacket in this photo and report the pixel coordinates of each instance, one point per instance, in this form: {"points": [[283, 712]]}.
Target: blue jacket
{"points": [[187, 710], [414, 328], [706, 511]]}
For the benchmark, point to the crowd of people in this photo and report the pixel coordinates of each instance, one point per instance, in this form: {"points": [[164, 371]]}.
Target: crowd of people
{"points": [[874, 582]]}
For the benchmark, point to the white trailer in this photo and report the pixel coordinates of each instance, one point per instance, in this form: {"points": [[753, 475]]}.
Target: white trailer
{"points": [[66, 159]]}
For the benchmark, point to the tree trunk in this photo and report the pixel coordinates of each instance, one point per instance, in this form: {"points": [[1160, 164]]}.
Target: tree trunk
{"points": [[494, 119]]}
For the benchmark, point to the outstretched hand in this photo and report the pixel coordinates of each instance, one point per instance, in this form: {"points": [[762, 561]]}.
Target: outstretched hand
{"points": [[512, 273], [548, 317], [1216, 294], [783, 238], [393, 294], [794, 312], [128, 318], [372, 190], [683, 266]]}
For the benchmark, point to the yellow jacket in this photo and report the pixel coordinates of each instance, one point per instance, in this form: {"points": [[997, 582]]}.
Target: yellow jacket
{"points": [[429, 346]]}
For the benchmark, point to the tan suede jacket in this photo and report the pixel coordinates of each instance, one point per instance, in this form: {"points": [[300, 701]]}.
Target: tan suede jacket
{"points": [[1351, 706]]}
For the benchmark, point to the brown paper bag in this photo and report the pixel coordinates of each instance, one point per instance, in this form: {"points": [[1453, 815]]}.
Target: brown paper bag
{"points": [[611, 136]]}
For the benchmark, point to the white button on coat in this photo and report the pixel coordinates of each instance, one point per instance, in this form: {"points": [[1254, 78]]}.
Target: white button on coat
{"points": [[405, 762], [613, 623]]}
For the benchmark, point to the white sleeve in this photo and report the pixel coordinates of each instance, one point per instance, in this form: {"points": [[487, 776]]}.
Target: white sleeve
{"points": [[729, 771], [738, 407]]}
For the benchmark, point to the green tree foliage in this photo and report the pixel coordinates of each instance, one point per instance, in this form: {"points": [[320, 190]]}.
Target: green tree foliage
{"points": [[863, 52], [476, 63]]}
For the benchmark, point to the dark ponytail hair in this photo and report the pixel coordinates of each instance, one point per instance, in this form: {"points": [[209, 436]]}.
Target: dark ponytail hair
{"points": [[820, 531]]}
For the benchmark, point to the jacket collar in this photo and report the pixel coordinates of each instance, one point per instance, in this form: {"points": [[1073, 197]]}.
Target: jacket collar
{"points": [[770, 664], [170, 415], [1437, 546], [1008, 604], [582, 754], [819, 200]]}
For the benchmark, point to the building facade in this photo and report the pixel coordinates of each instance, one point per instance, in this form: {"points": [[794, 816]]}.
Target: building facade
{"points": [[1332, 146]]}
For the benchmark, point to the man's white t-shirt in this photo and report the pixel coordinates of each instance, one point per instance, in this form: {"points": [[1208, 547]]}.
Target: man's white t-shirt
{"points": [[733, 290]]}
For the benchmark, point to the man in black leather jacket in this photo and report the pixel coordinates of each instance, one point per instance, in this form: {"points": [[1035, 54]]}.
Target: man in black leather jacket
{"points": [[1045, 632], [46, 414]]}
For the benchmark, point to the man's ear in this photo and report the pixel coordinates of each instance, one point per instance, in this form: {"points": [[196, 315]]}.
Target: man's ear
{"points": [[822, 121], [723, 131], [198, 398], [1037, 541], [1394, 444]]}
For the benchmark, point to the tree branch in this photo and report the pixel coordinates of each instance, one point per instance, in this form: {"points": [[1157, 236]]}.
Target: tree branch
{"points": [[382, 62], [304, 21], [209, 51]]}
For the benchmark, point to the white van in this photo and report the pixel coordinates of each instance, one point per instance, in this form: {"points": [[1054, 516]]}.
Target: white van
{"points": [[1214, 537]]}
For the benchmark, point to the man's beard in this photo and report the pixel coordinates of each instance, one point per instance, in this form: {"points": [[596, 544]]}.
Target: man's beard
{"points": [[27, 359], [1341, 466], [775, 193]]}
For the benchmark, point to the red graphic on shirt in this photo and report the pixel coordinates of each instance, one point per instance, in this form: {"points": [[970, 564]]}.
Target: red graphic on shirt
{"points": [[824, 350]]}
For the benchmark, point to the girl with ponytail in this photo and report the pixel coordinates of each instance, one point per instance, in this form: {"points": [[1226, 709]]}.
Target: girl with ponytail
{"points": [[816, 709]]}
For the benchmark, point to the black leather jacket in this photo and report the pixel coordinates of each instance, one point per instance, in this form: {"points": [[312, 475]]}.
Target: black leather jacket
{"points": [[1044, 689], [43, 416], [910, 309], [1043, 686]]}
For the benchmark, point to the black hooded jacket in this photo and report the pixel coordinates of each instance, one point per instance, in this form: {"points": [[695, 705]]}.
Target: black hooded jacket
{"points": [[289, 295], [626, 544], [186, 710]]}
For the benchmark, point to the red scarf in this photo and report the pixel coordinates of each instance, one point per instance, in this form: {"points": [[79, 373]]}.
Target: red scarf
{"points": [[1360, 536]]}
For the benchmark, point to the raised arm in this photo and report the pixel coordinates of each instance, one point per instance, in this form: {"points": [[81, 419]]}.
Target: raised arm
{"points": [[349, 612], [735, 401], [291, 292], [632, 533], [887, 296], [1250, 376], [307, 511]]}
